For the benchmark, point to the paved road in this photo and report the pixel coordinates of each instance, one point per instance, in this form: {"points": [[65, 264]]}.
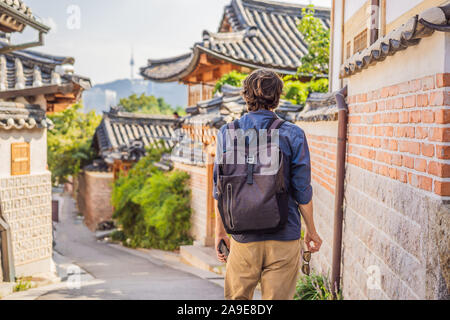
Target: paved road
{"points": [[119, 274]]}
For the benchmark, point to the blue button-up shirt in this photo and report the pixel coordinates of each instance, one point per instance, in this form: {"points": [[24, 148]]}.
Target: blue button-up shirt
{"points": [[297, 175]]}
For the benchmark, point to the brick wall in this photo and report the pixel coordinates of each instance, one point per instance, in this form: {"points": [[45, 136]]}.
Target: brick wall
{"points": [[94, 197], [199, 196], [397, 182], [322, 141], [26, 206]]}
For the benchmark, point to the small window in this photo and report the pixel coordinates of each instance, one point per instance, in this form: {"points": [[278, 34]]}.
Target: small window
{"points": [[360, 42], [20, 158], [349, 49]]}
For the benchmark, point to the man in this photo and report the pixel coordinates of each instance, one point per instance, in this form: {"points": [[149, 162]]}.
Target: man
{"points": [[271, 258]]}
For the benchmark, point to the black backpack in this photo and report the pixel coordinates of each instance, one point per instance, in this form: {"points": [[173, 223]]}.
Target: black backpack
{"points": [[253, 198]]}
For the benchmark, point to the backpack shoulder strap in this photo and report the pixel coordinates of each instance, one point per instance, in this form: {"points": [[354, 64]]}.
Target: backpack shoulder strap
{"points": [[276, 124], [234, 125]]}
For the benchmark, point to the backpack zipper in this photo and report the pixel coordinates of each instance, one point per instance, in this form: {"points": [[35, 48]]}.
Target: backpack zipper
{"points": [[230, 203]]}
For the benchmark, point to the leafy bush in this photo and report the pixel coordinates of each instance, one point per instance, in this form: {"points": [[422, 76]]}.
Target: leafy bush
{"points": [[233, 78], [297, 92], [153, 207], [314, 287], [69, 143]]}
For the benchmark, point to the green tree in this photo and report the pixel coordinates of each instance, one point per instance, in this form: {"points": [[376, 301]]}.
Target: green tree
{"points": [[317, 38], [69, 142], [152, 207], [149, 105], [232, 78]]}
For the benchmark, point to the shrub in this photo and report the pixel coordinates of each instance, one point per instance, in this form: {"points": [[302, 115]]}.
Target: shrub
{"points": [[297, 92], [314, 287], [153, 207], [232, 78]]}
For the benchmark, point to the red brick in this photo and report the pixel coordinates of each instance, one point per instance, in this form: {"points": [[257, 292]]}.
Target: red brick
{"points": [[413, 180], [392, 173], [383, 157], [442, 116], [414, 116], [443, 80], [404, 117], [442, 188], [422, 100], [440, 134], [402, 176], [415, 85], [437, 98], [385, 92], [425, 183], [443, 152], [362, 97], [428, 83], [439, 169], [393, 145], [409, 146], [420, 165], [403, 87], [427, 150], [410, 101], [421, 133], [427, 116], [393, 91], [381, 105], [408, 162], [396, 160], [405, 132]]}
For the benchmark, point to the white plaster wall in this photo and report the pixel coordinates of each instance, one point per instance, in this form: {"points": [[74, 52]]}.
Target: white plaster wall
{"points": [[38, 149], [351, 6], [395, 8]]}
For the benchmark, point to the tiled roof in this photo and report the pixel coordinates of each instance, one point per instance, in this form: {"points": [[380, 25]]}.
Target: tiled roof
{"points": [[263, 34], [15, 14], [118, 130], [408, 34], [18, 116], [21, 70]]}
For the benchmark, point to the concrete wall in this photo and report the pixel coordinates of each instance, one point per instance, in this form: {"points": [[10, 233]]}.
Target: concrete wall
{"points": [[26, 206], [26, 202], [94, 197]]}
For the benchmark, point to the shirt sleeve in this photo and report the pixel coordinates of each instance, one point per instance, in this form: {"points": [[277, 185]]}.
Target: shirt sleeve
{"points": [[300, 168]]}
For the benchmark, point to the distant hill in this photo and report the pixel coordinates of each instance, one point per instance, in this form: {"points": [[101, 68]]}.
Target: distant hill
{"points": [[101, 96]]}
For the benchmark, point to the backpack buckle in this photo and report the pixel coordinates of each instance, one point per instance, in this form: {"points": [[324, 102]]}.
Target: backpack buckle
{"points": [[251, 160]]}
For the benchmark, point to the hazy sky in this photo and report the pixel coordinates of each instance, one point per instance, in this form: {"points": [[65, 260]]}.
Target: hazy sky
{"points": [[100, 34]]}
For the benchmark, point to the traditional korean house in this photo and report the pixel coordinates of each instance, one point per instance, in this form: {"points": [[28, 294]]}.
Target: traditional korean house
{"points": [[252, 34], [31, 84], [120, 141], [381, 200], [38, 78]]}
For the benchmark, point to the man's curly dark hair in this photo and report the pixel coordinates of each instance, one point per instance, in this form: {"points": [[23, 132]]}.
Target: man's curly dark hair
{"points": [[262, 90]]}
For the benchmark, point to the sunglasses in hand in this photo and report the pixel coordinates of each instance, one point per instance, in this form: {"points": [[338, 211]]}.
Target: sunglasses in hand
{"points": [[306, 259]]}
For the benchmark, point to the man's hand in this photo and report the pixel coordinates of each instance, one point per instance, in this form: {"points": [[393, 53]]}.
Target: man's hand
{"points": [[219, 237], [312, 237]]}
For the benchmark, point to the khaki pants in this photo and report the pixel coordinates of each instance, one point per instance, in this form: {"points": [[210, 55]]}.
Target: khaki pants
{"points": [[275, 263]]}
